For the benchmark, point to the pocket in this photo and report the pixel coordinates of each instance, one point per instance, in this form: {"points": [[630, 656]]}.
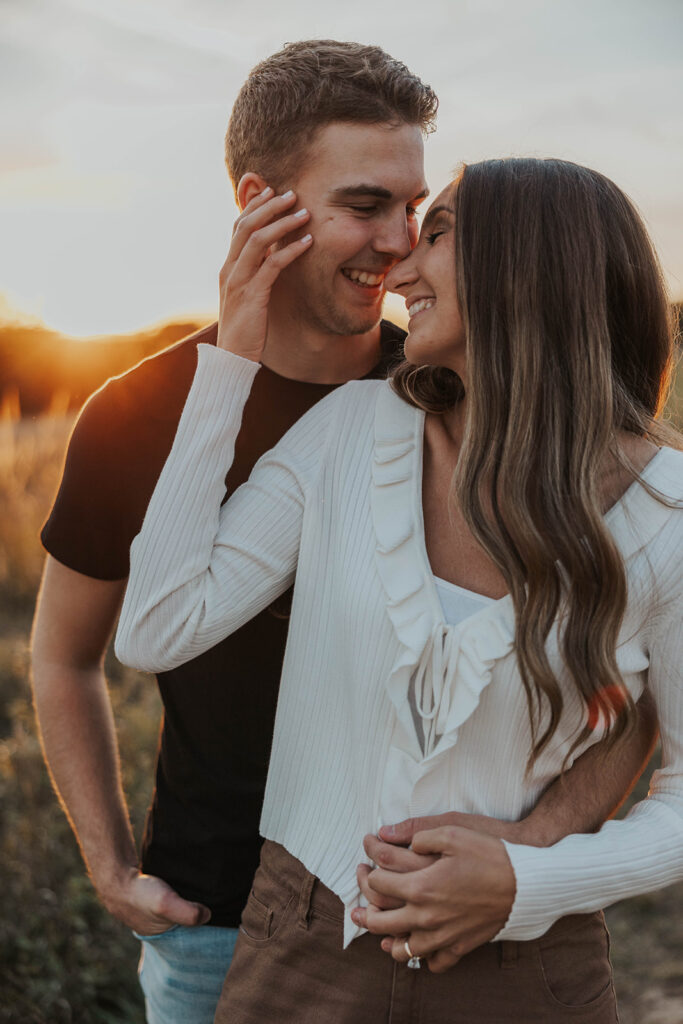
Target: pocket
{"points": [[266, 911], [158, 935], [574, 964]]}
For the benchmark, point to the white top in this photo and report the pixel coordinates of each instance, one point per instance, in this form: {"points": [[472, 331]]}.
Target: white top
{"points": [[457, 603], [338, 502]]}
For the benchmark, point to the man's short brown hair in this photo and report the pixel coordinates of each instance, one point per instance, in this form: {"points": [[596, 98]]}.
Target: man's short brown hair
{"points": [[306, 85]]}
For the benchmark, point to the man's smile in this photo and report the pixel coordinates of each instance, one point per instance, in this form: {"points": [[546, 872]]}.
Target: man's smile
{"points": [[365, 278]]}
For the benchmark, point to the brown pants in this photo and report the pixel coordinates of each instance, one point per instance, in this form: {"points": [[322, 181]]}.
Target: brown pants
{"points": [[289, 966]]}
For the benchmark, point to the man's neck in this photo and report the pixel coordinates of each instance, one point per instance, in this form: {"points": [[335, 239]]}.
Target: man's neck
{"points": [[304, 354]]}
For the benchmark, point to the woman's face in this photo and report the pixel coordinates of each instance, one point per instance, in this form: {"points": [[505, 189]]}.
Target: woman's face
{"points": [[426, 279]]}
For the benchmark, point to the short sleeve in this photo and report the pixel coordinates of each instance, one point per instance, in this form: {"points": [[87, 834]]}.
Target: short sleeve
{"points": [[92, 524], [115, 455]]}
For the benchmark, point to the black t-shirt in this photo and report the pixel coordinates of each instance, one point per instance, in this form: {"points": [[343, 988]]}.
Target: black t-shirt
{"points": [[201, 833]]}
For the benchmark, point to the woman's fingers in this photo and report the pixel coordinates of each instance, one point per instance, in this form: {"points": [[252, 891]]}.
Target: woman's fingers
{"points": [[264, 223], [378, 886], [461, 900], [417, 943], [259, 246], [258, 254], [259, 210], [436, 959], [255, 203], [363, 873], [384, 922], [275, 262], [395, 858], [262, 212], [444, 959]]}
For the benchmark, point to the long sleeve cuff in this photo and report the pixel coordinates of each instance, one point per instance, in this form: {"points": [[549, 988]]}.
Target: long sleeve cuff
{"points": [[584, 873], [222, 378]]}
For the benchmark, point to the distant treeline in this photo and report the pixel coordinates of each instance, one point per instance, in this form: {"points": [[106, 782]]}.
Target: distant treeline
{"points": [[42, 371]]}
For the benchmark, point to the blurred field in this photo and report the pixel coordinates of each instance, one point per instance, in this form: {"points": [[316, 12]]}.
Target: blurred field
{"points": [[63, 960]]}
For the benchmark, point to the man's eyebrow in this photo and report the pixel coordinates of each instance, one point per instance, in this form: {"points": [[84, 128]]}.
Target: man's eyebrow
{"points": [[366, 189]]}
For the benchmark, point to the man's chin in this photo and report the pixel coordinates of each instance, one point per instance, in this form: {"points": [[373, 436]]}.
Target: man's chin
{"points": [[342, 321], [350, 324]]}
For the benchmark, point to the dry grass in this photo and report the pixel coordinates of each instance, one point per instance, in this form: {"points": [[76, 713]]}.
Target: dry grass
{"points": [[31, 453], [62, 959]]}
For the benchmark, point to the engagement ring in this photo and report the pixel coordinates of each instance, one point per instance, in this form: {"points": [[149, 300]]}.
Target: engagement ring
{"points": [[415, 961]]}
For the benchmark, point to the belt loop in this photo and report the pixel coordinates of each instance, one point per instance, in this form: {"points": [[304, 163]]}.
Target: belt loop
{"points": [[508, 954], [305, 895]]}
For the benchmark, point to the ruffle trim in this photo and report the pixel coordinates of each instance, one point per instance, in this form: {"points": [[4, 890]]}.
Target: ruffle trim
{"points": [[452, 665]]}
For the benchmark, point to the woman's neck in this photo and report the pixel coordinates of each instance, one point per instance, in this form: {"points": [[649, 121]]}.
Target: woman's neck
{"points": [[445, 432], [453, 422], [617, 478]]}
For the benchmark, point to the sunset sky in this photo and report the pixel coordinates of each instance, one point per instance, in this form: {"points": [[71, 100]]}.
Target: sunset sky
{"points": [[114, 202]]}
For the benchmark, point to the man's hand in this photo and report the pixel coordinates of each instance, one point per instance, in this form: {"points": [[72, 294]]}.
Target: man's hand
{"points": [[513, 831], [149, 906], [74, 620], [451, 906], [255, 259]]}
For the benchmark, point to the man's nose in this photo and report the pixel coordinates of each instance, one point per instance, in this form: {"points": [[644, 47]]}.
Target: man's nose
{"points": [[394, 238]]}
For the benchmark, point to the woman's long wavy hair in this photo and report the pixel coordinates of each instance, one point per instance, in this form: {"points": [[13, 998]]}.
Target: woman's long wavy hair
{"points": [[569, 341]]}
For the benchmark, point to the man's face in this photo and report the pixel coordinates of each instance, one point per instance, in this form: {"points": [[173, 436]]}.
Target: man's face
{"points": [[361, 184]]}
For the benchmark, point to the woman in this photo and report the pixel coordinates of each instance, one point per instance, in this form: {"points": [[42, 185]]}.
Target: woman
{"points": [[483, 578]]}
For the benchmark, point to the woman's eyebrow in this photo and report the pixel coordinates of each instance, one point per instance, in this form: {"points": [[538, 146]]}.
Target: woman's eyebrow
{"points": [[434, 212]]}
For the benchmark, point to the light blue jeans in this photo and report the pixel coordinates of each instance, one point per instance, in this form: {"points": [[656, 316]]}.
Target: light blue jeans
{"points": [[182, 972]]}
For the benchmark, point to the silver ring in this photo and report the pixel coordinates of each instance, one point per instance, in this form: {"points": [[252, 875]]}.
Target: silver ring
{"points": [[413, 961]]}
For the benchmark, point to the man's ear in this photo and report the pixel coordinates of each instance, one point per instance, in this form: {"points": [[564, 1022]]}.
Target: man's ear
{"points": [[250, 185]]}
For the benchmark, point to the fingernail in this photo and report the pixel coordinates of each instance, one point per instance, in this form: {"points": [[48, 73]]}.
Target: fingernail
{"points": [[387, 945], [302, 212], [355, 916], [288, 194], [266, 192], [306, 239], [387, 830]]}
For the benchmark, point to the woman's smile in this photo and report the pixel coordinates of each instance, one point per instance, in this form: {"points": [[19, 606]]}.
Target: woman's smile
{"points": [[416, 306]]}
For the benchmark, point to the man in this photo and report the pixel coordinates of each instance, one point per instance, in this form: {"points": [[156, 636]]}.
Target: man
{"points": [[342, 124]]}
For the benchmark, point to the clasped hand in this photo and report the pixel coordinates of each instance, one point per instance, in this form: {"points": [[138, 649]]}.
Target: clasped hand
{"points": [[448, 892]]}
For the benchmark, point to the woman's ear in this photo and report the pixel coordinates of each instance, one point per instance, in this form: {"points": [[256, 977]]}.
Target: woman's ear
{"points": [[250, 185]]}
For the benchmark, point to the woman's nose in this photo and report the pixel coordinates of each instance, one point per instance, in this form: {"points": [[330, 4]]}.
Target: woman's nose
{"points": [[402, 275]]}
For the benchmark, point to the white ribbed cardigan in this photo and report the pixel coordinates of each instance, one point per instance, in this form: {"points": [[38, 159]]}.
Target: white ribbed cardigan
{"points": [[337, 504]]}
